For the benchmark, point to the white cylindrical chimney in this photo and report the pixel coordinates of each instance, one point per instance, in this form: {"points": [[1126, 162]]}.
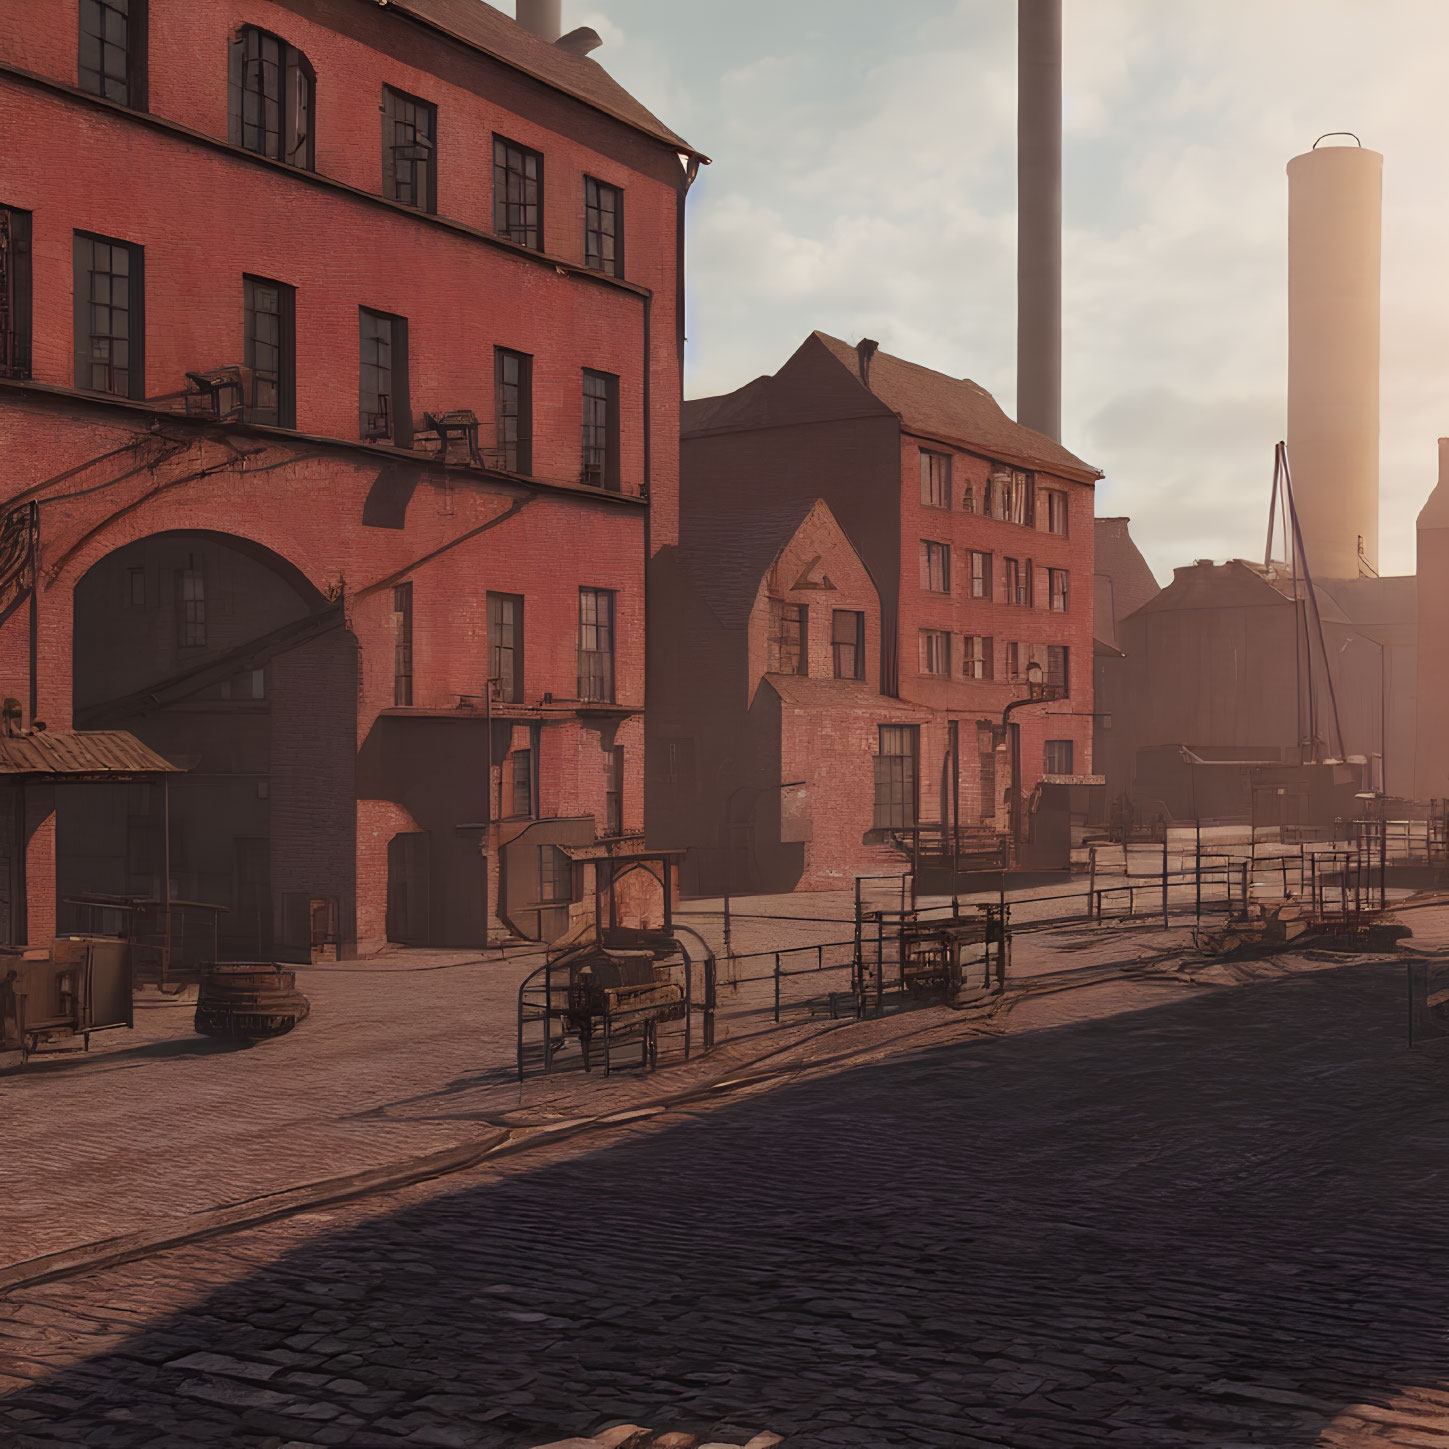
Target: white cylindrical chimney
{"points": [[1335, 204], [543, 17]]}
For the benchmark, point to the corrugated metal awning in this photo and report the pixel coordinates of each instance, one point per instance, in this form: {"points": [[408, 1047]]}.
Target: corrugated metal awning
{"points": [[75, 755]]}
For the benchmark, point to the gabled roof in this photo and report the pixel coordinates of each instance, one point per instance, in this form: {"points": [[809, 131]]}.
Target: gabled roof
{"points": [[485, 28], [956, 410], [728, 549]]}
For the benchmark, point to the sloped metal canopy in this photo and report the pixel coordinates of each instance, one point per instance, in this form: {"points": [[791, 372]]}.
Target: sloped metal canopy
{"points": [[76, 755]]}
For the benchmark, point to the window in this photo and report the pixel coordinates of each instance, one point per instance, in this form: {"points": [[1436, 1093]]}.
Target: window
{"points": [[386, 411], [601, 431], [1057, 587], [250, 685], [1014, 666], [935, 651], [603, 227], [513, 409], [1058, 757], [1017, 581], [1057, 667], [847, 643], [112, 59], [402, 673], [935, 567], [14, 292], [980, 575], [409, 150], [505, 646], [935, 479], [1010, 496], [976, 658], [555, 876], [677, 766], [110, 331], [614, 793], [522, 782], [789, 638], [191, 608], [968, 498], [270, 98], [895, 777], [136, 588], [596, 644], [1056, 510], [271, 350], [518, 194]]}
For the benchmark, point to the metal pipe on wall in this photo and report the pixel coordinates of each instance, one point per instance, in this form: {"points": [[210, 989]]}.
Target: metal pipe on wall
{"points": [[543, 17], [1039, 216]]}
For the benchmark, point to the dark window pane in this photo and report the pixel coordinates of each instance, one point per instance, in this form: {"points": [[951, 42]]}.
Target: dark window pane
{"points": [[402, 604], [513, 410], [108, 330], [603, 227], [517, 194], [600, 431], [409, 142], [15, 293], [596, 644]]}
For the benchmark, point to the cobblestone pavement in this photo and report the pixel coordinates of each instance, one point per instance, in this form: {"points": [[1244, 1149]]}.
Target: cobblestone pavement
{"points": [[1138, 1215]]}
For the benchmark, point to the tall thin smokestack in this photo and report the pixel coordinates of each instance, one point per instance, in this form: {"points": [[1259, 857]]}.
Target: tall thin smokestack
{"points": [[543, 17], [1335, 204], [1039, 215]]}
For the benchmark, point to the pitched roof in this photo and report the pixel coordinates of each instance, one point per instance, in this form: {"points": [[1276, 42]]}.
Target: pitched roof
{"points": [[79, 755], [485, 28], [957, 410], [727, 550]]}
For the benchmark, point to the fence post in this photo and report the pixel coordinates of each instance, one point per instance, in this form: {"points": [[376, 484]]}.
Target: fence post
{"points": [[1091, 878], [1164, 875], [777, 988]]}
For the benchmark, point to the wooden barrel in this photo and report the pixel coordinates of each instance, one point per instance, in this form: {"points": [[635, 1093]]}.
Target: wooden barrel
{"points": [[249, 1000]]}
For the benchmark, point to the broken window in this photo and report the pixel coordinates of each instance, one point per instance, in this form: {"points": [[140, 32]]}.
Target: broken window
{"points": [[601, 431], [112, 57], [1057, 587], [980, 575], [935, 567], [614, 793], [596, 644], [270, 98], [505, 646], [513, 409], [270, 311], [935, 651], [522, 782], [1058, 667], [383, 402], [15, 297], [109, 329], [409, 150], [603, 227], [895, 777], [1056, 510], [976, 658], [402, 671], [847, 643], [1058, 758], [191, 608], [789, 638], [518, 194], [935, 479]]}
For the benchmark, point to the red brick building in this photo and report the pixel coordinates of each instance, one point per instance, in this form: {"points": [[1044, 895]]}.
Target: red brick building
{"points": [[253, 252], [977, 535]]}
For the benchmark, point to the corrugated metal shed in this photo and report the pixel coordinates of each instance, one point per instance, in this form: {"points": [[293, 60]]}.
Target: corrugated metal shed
{"points": [[74, 755]]}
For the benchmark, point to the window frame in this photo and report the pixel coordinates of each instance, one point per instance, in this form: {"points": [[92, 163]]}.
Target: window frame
{"points": [[614, 794], [559, 875], [604, 628], [935, 481], [516, 453], [1057, 672], [402, 667], [137, 27], [933, 550], [135, 338], [399, 430], [853, 621], [497, 603], [401, 108], [295, 98], [897, 785], [1058, 509], [191, 607], [978, 657], [600, 412], [1062, 578], [594, 254], [934, 647], [16, 293], [286, 346], [789, 636], [521, 777], [1050, 766], [530, 237], [981, 574]]}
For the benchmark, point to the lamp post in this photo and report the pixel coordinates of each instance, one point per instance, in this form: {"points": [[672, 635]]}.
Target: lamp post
{"points": [[1038, 691]]}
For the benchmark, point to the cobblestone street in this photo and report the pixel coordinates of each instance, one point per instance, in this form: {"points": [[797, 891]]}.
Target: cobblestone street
{"points": [[1141, 1214]]}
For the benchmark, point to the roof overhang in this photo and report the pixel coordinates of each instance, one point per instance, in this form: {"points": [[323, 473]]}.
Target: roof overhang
{"points": [[79, 756]]}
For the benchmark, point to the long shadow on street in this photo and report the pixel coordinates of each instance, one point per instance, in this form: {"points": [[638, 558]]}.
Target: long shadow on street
{"points": [[1215, 1222]]}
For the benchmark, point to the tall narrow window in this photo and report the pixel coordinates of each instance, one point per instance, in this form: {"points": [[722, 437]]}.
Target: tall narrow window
{"points": [[980, 575], [935, 567], [1017, 581], [1057, 583], [847, 643], [935, 479], [555, 876], [518, 194], [14, 292], [109, 324], [1014, 666], [976, 659], [513, 409], [386, 411], [522, 782], [409, 150], [601, 431], [935, 652], [895, 777], [1058, 757], [191, 608], [271, 344], [1056, 510], [614, 793], [596, 644], [603, 227], [1058, 668], [270, 98], [789, 638], [112, 58], [505, 646], [402, 670]]}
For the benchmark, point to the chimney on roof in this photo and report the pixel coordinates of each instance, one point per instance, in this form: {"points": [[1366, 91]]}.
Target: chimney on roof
{"points": [[543, 17], [865, 349]]}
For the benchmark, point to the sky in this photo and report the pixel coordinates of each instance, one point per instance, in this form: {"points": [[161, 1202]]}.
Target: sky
{"points": [[864, 183]]}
